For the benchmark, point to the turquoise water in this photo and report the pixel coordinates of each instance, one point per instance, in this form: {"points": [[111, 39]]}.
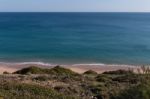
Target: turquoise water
{"points": [[120, 38]]}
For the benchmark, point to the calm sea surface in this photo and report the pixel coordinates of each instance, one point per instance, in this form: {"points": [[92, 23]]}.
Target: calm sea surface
{"points": [[121, 38]]}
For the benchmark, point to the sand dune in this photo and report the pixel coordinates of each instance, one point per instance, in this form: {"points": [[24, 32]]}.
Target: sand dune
{"points": [[79, 68]]}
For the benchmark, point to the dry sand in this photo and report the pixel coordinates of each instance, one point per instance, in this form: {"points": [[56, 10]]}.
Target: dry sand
{"points": [[6, 68], [79, 68], [101, 68]]}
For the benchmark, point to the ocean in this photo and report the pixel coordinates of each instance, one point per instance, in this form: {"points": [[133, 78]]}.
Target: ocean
{"points": [[75, 38]]}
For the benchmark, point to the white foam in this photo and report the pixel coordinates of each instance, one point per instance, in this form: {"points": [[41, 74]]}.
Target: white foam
{"points": [[28, 63], [32, 63], [49, 64], [92, 64], [101, 64]]}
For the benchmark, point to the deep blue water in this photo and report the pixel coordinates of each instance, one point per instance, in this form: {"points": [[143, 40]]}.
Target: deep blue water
{"points": [[122, 38]]}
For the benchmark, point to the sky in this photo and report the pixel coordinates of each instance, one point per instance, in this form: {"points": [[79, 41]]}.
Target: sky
{"points": [[74, 5]]}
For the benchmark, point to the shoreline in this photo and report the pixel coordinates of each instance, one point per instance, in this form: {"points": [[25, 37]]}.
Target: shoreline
{"points": [[79, 68]]}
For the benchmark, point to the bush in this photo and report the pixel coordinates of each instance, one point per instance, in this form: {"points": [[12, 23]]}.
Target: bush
{"points": [[119, 72], [90, 72], [42, 78], [103, 78], [61, 71], [25, 91], [54, 71], [141, 91], [30, 70], [5, 72], [132, 79]]}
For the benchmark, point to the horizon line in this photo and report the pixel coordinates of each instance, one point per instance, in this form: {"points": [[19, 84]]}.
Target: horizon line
{"points": [[74, 12]]}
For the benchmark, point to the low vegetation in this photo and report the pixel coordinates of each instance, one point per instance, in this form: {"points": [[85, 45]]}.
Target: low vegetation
{"points": [[26, 91], [119, 72], [54, 71], [61, 83], [90, 72]]}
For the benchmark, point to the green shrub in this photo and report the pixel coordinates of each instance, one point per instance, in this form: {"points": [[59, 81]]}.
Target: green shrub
{"points": [[132, 78], [90, 72], [54, 71], [30, 70], [141, 91], [25, 91], [5, 72], [61, 71], [103, 78], [42, 78], [119, 72]]}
